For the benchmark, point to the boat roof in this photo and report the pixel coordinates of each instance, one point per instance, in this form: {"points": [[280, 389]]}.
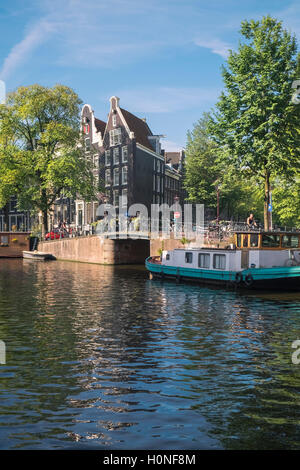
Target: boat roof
{"points": [[270, 232]]}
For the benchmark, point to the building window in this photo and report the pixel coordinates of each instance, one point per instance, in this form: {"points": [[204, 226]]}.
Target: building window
{"points": [[204, 260], [188, 257], [290, 241], [96, 161], [116, 156], [88, 144], [157, 183], [154, 164], [107, 178], [115, 137], [124, 175], [124, 197], [114, 120], [116, 198], [116, 177], [107, 157], [124, 154], [219, 261], [154, 182]]}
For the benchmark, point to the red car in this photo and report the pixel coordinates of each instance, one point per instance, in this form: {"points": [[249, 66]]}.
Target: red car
{"points": [[54, 235]]}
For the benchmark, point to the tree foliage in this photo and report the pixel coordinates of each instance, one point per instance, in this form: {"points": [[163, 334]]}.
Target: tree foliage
{"points": [[41, 157], [207, 171], [256, 125], [202, 169]]}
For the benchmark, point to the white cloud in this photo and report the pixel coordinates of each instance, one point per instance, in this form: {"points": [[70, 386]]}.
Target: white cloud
{"points": [[215, 45], [21, 51], [167, 99]]}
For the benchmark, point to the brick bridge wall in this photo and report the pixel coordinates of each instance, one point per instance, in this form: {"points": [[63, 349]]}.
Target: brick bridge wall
{"points": [[93, 249]]}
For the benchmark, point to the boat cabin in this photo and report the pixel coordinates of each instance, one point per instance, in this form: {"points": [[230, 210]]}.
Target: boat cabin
{"points": [[267, 240], [251, 250]]}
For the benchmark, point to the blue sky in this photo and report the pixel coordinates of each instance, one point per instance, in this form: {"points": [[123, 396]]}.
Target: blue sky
{"points": [[161, 57]]}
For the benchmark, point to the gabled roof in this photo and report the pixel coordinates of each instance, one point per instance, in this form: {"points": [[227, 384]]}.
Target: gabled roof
{"points": [[100, 126], [173, 158], [139, 127]]}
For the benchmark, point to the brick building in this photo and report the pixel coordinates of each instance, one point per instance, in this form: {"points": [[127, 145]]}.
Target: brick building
{"points": [[128, 164]]}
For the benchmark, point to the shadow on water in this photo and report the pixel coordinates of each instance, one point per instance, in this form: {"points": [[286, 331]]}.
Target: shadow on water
{"points": [[101, 357]]}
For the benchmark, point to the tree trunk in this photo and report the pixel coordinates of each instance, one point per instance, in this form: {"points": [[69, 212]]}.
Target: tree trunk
{"points": [[6, 218], [267, 224], [44, 213], [45, 224]]}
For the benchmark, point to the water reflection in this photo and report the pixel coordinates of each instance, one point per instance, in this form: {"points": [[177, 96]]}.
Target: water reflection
{"points": [[99, 356]]}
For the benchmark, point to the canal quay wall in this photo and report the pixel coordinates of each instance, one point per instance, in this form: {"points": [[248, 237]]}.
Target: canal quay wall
{"points": [[160, 243], [12, 244], [94, 249]]}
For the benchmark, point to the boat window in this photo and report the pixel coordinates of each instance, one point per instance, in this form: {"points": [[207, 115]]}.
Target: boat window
{"points": [[189, 257], [219, 261], [167, 256], [290, 241], [245, 241], [239, 240], [204, 260], [253, 240], [269, 240]]}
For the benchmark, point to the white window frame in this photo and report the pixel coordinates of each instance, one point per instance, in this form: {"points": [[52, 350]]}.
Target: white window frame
{"points": [[96, 160], [124, 172], [107, 157], [124, 197], [87, 148], [116, 172], [116, 156], [125, 154], [116, 197], [107, 179], [115, 137]]}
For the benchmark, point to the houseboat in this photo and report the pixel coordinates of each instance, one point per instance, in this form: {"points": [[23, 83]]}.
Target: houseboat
{"points": [[257, 260]]}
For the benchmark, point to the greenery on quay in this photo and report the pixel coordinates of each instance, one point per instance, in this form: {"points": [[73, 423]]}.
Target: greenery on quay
{"points": [[41, 155], [249, 144]]}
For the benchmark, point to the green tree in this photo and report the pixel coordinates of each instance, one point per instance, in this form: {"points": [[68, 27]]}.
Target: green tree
{"points": [[202, 169], [256, 125], [41, 156], [286, 197], [208, 169]]}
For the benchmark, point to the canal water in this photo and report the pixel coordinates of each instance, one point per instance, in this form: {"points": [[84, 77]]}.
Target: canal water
{"points": [[100, 357]]}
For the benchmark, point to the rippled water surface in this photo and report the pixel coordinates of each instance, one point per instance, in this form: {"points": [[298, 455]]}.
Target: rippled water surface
{"points": [[102, 357]]}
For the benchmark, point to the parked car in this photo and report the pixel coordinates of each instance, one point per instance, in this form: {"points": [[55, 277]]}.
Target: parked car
{"points": [[54, 235]]}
